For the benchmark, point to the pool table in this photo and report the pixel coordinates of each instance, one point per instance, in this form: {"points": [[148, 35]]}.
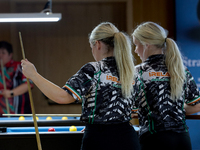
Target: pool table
{"points": [[24, 138], [28, 122]]}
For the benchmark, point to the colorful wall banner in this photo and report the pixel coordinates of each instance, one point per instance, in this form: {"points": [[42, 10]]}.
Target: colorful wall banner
{"points": [[188, 34]]}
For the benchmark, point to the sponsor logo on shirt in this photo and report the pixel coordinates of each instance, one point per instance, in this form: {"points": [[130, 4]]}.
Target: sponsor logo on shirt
{"points": [[158, 74], [114, 79]]}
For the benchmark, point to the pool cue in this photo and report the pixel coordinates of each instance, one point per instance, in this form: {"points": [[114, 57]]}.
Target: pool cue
{"points": [[53, 115], [4, 85], [31, 99]]}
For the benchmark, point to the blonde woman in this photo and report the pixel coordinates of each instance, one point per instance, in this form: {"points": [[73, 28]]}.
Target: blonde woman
{"points": [[105, 88], [163, 87]]}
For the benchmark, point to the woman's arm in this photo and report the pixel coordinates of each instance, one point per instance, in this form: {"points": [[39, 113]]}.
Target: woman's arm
{"points": [[49, 89], [19, 90], [192, 109]]}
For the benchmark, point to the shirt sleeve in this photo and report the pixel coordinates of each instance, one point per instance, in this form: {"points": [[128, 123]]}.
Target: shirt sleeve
{"points": [[80, 83], [192, 95]]}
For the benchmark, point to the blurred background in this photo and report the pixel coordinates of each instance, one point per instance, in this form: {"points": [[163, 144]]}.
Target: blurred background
{"points": [[60, 49]]}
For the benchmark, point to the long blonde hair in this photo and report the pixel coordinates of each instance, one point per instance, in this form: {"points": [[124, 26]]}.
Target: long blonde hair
{"points": [[153, 34], [113, 38]]}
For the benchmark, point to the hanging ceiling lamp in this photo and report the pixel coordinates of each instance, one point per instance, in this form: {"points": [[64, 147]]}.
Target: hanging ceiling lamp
{"points": [[45, 16]]}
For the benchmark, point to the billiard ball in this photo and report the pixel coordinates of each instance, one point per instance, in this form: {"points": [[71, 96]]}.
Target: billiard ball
{"points": [[36, 118], [51, 130], [48, 118], [64, 118], [21, 118], [72, 128]]}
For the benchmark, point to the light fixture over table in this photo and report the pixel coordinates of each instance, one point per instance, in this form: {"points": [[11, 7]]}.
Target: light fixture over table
{"points": [[45, 16]]}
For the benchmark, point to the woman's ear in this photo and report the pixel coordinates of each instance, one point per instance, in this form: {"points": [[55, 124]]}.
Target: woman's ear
{"points": [[11, 56], [98, 44], [147, 45]]}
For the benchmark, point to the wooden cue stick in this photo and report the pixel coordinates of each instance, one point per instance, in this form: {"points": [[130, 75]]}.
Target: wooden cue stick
{"points": [[27, 115], [4, 85], [31, 100]]}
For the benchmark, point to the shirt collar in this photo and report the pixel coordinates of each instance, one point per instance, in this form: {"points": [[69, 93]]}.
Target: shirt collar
{"points": [[155, 58]]}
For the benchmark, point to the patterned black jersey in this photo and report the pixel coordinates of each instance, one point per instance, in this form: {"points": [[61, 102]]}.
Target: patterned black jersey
{"points": [[156, 110], [97, 85]]}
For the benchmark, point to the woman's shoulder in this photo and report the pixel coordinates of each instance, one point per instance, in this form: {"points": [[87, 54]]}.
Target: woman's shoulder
{"points": [[140, 67], [91, 67]]}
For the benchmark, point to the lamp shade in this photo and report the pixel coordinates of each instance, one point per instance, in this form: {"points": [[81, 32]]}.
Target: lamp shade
{"points": [[30, 17]]}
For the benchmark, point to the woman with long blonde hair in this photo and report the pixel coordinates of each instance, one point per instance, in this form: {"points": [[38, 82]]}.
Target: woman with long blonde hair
{"points": [[105, 88], [163, 87]]}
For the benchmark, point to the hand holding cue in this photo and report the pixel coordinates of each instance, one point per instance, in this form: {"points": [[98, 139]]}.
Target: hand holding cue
{"points": [[31, 100], [4, 85]]}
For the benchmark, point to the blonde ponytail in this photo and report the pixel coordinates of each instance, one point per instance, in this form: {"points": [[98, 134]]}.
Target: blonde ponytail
{"points": [[124, 59], [175, 68]]}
